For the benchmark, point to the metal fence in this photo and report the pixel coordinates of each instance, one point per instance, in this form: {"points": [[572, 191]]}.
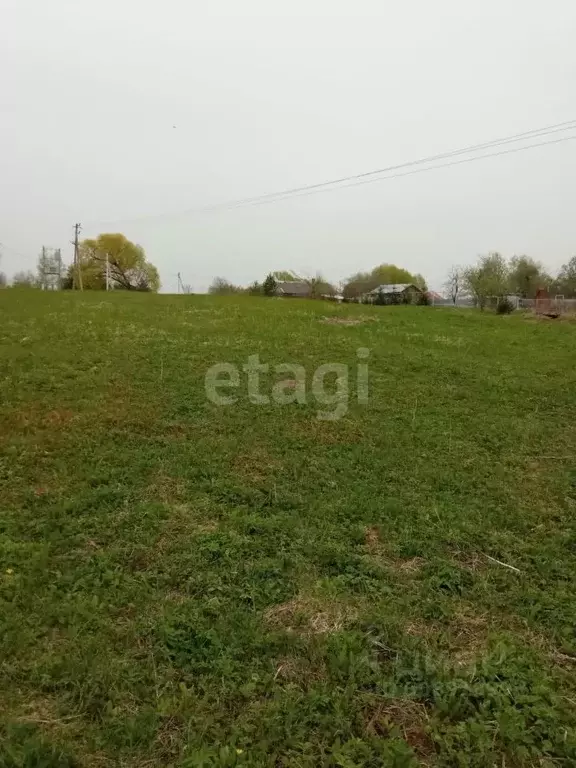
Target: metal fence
{"points": [[557, 304], [466, 301]]}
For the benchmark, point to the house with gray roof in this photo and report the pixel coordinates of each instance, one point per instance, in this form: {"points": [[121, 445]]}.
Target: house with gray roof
{"points": [[293, 288], [402, 292]]}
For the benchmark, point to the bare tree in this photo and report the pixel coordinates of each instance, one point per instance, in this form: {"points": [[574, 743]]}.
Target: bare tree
{"points": [[24, 279], [454, 283], [319, 286], [221, 286]]}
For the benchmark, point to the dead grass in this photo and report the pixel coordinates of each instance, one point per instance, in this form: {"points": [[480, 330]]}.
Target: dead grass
{"points": [[166, 489], [468, 634], [292, 670], [184, 521], [307, 615], [329, 432], [465, 638], [343, 320], [471, 561], [378, 551], [407, 716], [256, 464]]}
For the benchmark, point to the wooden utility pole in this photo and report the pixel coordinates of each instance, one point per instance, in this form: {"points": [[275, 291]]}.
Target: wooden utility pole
{"points": [[77, 272], [43, 269]]}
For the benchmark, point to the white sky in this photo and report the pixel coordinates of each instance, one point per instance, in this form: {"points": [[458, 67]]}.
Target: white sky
{"points": [[267, 95]]}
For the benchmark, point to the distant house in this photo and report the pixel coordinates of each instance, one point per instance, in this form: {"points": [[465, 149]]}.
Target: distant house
{"points": [[434, 296], [405, 292], [293, 288]]}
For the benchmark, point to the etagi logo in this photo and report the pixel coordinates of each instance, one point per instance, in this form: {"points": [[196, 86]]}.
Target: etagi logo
{"points": [[329, 384]]}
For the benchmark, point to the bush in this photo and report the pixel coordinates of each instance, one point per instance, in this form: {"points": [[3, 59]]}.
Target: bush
{"points": [[504, 306], [269, 285]]}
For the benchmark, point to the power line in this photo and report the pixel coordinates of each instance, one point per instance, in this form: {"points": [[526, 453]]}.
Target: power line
{"points": [[360, 178], [418, 170], [536, 133], [5, 247]]}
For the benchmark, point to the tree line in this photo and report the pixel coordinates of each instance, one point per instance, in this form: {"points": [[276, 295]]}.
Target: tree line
{"points": [[318, 286], [353, 288], [495, 277], [110, 260]]}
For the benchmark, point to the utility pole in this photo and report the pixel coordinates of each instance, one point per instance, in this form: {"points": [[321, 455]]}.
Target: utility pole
{"points": [[43, 270], [181, 287], [77, 276], [59, 263]]}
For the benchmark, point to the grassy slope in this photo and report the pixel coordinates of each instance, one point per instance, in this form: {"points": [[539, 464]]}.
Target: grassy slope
{"points": [[200, 586]]}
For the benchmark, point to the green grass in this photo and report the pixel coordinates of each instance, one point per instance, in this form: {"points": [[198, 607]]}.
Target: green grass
{"points": [[191, 585]]}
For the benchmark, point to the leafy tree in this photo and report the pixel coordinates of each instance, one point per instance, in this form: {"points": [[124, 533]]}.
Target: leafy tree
{"points": [[269, 286], [128, 268], [24, 279], [454, 283], [565, 283], [319, 286], [488, 278], [420, 282], [384, 274], [220, 286], [358, 284], [527, 276]]}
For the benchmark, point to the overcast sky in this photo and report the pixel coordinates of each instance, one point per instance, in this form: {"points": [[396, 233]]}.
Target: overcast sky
{"points": [[268, 95]]}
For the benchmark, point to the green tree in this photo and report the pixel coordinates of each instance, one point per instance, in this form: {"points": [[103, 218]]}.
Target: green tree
{"points": [[488, 278], [128, 268], [527, 276], [269, 286], [420, 282], [384, 274], [358, 284], [565, 283]]}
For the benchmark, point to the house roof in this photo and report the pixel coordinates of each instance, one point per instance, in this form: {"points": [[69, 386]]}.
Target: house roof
{"points": [[292, 287], [393, 288]]}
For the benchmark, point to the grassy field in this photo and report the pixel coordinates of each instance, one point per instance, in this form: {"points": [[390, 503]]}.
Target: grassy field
{"points": [[192, 585]]}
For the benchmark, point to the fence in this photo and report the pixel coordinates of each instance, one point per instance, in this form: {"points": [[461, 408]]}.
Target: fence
{"points": [[465, 301], [557, 304]]}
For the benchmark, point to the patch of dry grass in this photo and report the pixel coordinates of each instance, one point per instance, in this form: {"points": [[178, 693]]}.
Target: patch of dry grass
{"points": [[308, 615], [407, 716]]}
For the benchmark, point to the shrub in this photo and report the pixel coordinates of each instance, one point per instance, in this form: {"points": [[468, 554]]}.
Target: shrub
{"points": [[504, 306], [269, 285]]}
